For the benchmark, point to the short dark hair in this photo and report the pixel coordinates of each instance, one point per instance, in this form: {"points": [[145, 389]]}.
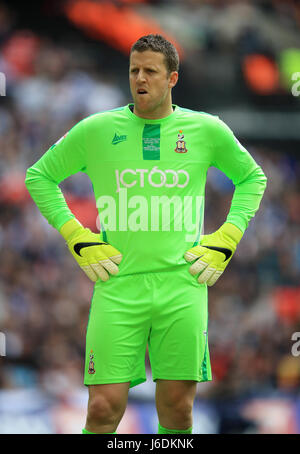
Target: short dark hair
{"points": [[157, 43]]}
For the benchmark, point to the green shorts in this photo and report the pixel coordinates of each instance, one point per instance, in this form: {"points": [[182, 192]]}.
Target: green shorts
{"points": [[165, 311]]}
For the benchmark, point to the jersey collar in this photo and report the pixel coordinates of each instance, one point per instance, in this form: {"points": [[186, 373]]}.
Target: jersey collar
{"points": [[131, 115]]}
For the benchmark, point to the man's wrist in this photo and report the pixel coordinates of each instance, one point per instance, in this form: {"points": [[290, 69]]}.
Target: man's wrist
{"points": [[232, 231], [69, 228]]}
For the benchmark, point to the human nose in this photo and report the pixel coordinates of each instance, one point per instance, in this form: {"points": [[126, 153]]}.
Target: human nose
{"points": [[141, 76]]}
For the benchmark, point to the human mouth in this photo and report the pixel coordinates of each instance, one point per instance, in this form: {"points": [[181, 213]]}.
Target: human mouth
{"points": [[141, 91]]}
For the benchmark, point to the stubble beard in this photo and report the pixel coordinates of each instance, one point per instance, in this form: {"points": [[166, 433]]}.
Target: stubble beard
{"points": [[150, 107]]}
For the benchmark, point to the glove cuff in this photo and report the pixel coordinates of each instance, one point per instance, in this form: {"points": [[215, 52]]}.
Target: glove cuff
{"points": [[232, 231], [69, 228]]}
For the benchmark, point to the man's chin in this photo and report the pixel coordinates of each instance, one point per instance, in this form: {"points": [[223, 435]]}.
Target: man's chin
{"points": [[142, 107]]}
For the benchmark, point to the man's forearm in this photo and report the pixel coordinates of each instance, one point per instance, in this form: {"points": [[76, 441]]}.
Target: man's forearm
{"points": [[48, 197], [246, 199]]}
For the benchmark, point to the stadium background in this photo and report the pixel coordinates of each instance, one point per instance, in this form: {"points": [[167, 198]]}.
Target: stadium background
{"points": [[66, 60]]}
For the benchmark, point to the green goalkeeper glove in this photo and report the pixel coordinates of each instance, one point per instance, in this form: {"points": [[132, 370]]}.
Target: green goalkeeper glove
{"points": [[214, 253], [95, 257]]}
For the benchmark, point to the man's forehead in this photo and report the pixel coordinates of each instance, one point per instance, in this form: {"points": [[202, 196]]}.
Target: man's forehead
{"points": [[147, 57]]}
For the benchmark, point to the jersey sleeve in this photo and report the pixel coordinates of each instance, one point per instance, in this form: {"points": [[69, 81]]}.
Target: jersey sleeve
{"points": [[235, 161], [66, 157]]}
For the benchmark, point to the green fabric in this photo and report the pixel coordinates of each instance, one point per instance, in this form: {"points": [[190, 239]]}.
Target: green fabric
{"points": [[151, 209], [86, 432], [162, 430], [151, 142], [170, 319]]}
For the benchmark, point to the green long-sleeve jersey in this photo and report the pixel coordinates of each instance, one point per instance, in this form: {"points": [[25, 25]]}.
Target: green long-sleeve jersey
{"points": [[149, 181]]}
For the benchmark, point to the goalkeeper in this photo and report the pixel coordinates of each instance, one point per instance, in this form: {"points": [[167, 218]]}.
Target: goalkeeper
{"points": [[150, 265]]}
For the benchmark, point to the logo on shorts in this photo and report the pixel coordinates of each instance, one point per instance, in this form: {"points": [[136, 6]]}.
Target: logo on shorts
{"points": [[91, 364], [180, 143]]}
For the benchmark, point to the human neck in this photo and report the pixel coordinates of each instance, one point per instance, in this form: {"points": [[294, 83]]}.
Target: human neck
{"points": [[157, 115]]}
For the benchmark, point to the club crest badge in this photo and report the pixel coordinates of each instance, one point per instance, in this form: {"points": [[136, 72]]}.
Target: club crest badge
{"points": [[91, 364], [180, 143]]}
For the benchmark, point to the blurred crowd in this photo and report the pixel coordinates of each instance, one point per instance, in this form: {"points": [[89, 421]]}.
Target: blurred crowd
{"points": [[44, 297]]}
